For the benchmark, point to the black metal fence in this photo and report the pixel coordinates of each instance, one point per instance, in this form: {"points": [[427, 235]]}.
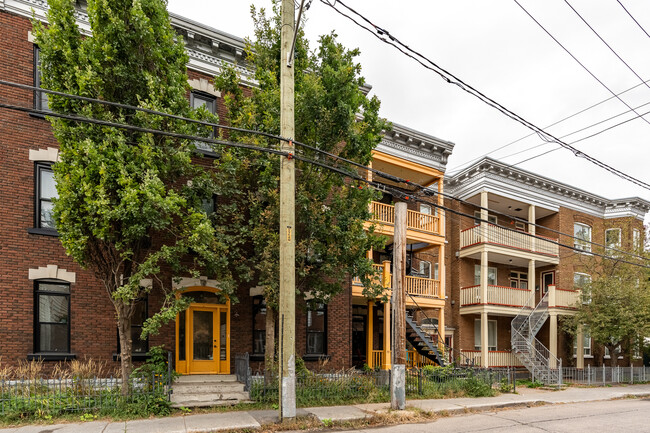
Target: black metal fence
{"points": [[243, 370], [26, 397]]}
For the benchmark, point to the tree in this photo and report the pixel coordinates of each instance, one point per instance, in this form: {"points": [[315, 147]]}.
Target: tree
{"points": [[126, 208], [333, 114], [614, 309]]}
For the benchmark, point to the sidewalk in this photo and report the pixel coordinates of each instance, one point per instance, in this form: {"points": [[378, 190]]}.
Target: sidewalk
{"points": [[255, 419]]}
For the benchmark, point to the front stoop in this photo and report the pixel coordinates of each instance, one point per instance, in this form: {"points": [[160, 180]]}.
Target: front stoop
{"points": [[207, 390]]}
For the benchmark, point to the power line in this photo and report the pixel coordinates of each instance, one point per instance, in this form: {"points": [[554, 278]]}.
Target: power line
{"points": [[420, 188], [575, 58], [606, 44], [460, 166], [633, 19], [382, 34]]}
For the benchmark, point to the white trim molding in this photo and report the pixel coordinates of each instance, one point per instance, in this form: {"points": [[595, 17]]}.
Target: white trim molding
{"points": [[185, 282], [204, 85], [50, 154], [52, 272]]}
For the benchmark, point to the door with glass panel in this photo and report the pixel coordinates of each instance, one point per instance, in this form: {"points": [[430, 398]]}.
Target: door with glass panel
{"points": [[203, 340]]}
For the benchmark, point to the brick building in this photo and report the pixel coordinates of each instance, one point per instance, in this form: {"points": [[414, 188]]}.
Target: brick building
{"points": [[493, 272], [56, 311]]}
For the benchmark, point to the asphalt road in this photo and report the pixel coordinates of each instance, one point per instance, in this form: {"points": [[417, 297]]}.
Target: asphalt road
{"points": [[629, 415]]}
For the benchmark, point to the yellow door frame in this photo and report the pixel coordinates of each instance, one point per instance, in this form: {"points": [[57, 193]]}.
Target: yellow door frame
{"points": [[188, 365]]}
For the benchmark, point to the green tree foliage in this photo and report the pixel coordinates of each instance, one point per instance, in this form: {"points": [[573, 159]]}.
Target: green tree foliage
{"points": [[129, 202], [331, 113], [614, 308]]}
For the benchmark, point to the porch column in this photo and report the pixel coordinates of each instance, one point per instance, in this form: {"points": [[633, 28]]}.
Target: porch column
{"points": [[370, 334], [531, 278], [484, 216], [387, 328], [552, 340], [441, 326], [441, 213], [531, 227], [484, 339], [580, 352], [441, 271]]}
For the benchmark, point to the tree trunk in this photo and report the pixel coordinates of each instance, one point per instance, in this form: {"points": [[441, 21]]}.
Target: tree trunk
{"points": [[126, 344], [269, 350], [613, 356]]}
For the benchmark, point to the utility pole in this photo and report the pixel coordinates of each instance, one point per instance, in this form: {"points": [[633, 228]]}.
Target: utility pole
{"points": [[287, 310], [398, 369]]}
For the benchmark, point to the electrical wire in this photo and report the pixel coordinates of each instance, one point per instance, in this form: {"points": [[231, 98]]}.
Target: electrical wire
{"points": [[419, 188], [633, 19], [460, 166], [382, 34]]}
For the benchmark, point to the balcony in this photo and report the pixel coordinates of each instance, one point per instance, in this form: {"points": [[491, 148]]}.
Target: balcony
{"points": [[496, 295], [496, 358], [421, 288], [502, 237], [384, 214], [563, 298]]}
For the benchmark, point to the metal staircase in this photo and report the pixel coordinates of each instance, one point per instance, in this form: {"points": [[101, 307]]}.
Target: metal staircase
{"points": [[421, 341], [530, 351]]}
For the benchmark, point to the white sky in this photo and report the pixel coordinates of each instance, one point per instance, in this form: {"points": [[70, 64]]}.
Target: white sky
{"points": [[498, 49]]}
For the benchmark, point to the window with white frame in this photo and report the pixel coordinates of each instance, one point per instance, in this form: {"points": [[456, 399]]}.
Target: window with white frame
{"points": [[586, 345], [492, 334], [425, 269], [617, 351], [492, 275], [519, 280], [492, 219], [582, 234], [41, 101], [636, 239], [198, 100], [581, 282], [436, 272], [613, 238]]}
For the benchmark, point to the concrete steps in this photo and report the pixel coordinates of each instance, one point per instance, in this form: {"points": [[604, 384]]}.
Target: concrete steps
{"points": [[207, 390]]}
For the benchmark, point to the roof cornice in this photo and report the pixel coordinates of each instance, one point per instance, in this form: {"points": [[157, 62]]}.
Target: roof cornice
{"points": [[416, 146]]}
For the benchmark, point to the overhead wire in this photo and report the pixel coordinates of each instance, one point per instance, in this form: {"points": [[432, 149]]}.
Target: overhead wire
{"points": [[419, 188], [381, 34], [633, 19]]}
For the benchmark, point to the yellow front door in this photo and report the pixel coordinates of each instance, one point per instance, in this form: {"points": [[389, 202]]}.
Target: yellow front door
{"points": [[203, 340]]}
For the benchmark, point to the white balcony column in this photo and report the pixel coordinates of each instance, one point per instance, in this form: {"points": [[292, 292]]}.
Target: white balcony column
{"points": [[552, 297], [484, 216], [531, 226], [484, 339], [531, 278], [484, 276], [552, 339], [580, 352]]}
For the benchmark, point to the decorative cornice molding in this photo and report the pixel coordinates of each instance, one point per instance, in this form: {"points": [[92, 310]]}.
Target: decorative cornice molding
{"points": [[416, 146], [497, 177]]}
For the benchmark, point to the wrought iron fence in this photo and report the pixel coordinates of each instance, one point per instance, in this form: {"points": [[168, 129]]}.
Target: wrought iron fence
{"points": [[25, 397], [606, 375], [243, 370]]}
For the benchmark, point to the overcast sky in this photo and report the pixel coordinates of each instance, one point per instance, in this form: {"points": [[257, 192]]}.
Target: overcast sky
{"points": [[495, 47]]}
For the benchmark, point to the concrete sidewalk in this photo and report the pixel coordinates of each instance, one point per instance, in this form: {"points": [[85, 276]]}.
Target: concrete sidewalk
{"points": [[255, 419]]}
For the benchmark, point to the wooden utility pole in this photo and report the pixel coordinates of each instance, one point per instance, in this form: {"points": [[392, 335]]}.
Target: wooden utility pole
{"points": [[287, 310], [398, 368]]}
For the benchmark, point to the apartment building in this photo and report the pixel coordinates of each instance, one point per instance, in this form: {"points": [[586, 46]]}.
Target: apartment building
{"points": [[56, 311], [498, 271]]}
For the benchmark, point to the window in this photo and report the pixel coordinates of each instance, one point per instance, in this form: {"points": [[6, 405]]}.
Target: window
{"points": [[52, 317], [45, 192], [582, 281], [492, 334], [519, 280], [198, 100], [582, 233], [586, 345], [436, 271], [492, 275], [613, 238], [492, 219], [425, 209], [617, 351], [520, 226], [259, 325], [636, 239], [207, 205], [41, 101], [140, 314], [425, 269], [316, 326]]}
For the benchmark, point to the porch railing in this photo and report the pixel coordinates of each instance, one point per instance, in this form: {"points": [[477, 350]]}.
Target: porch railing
{"points": [[500, 236], [496, 358], [385, 213], [416, 286], [496, 295]]}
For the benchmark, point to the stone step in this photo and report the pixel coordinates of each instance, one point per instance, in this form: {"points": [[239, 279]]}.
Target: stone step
{"points": [[209, 399], [206, 378], [207, 388]]}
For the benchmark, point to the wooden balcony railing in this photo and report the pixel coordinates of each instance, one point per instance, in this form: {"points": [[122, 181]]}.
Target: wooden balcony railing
{"points": [[385, 214], [376, 359], [416, 286], [499, 236], [415, 360], [496, 358], [496, 295], [563, 298]]}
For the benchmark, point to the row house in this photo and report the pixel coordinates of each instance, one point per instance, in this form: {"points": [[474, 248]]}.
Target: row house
{"points": [[56, 311], [504, 261]]}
